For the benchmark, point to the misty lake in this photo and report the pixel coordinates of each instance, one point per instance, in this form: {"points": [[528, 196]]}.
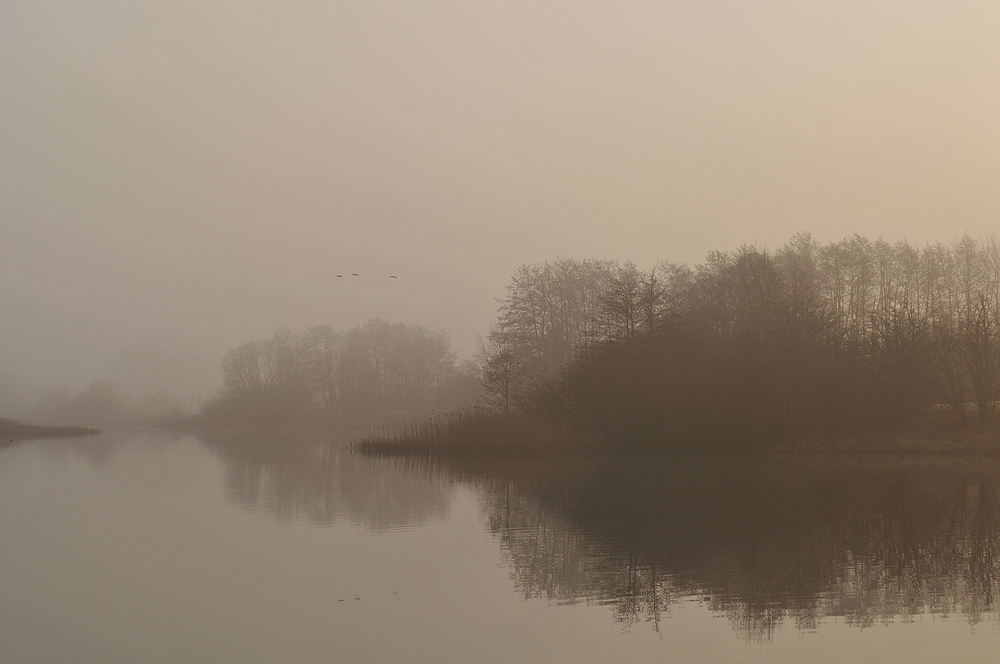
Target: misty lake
{"points": [[144, 546]]}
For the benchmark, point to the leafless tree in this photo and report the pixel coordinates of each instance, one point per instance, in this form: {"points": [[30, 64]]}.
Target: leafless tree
{"points": [[503, 374]]}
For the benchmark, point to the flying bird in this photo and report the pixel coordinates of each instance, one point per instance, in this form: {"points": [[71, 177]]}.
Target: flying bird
{"points": [[392, 276], [340, 276], [355, 274]]}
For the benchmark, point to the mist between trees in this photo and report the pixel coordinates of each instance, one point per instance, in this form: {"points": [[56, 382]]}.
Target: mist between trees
{"points": [[751, 346], [102, 402], [325, 376]]}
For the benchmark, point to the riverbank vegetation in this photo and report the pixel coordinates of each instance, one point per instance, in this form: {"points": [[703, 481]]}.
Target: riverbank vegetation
{"points": [[857, 340], [475, 432]]}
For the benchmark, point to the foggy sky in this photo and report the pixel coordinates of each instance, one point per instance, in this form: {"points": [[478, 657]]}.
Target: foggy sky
{"points": [[180, 177]]}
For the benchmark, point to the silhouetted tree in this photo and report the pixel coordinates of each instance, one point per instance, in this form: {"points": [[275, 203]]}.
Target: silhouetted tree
{"points": [[503, 374], [550, 310], [751, 345]]}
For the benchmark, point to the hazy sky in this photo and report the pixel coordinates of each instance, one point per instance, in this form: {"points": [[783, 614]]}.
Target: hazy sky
{"points": [[186, 176]]}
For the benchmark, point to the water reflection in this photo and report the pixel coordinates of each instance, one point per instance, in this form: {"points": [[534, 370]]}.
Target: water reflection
{"points": [[314, 478], [765, 543]]}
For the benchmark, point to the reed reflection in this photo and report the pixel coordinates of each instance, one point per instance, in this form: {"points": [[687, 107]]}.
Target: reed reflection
{"points": [[766, 543], [314, 478]]}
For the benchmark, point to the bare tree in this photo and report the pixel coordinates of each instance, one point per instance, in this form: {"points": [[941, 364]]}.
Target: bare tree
{"points": [[623, 305], [503, 375], [980, 346], [551, 309]]}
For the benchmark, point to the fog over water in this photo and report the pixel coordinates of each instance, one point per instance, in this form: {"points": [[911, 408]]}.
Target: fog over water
{"points": [[178, 178]]}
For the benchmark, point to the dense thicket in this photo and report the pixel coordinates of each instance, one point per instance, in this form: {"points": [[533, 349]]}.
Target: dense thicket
{"points": [[324, 374], [753, 345]]}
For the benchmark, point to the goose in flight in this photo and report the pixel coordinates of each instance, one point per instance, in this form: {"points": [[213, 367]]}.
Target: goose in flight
{"points": [[392, 276], [355, 274]]}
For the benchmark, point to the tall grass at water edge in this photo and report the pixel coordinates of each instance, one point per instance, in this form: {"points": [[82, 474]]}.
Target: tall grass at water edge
{"points": [[474, 433]]}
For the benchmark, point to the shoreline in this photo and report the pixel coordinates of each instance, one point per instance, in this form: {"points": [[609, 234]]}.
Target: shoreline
{"points": [[12, 431], [527, 439]]}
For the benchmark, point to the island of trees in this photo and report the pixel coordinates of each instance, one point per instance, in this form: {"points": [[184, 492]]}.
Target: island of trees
{"points": [[749, 350]]}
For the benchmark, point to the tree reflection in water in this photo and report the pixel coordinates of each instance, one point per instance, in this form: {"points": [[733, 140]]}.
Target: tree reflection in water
{"points": [[764, 542], [314, 478]]}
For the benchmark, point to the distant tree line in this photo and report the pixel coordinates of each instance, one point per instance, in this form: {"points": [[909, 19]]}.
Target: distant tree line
{"points": [[328, 375], [101, 402], [753, 345]]}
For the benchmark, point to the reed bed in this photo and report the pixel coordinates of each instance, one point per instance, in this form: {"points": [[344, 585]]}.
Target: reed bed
{"points": [[474, 433]]}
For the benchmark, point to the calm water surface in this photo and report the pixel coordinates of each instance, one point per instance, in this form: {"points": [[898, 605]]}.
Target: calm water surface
{"points": [[139, 546]]}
